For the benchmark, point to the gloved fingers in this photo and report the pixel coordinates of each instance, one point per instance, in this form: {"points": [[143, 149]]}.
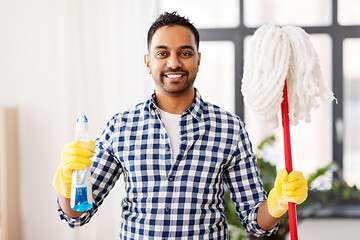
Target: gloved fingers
{"points": [[77, 166], [91, 146], [297, 195], [298, 192], [298, 199], [295, 189], [295, 176], [81, 152], [77, 149], [66, 175], [276, 205], [62, 175], [78, 144], [78, 163], [295, 185], [67, 171], [281, 177], [62, 183]]}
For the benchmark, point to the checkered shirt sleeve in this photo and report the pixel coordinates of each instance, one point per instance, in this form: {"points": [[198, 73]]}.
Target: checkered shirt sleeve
{"points": [[245, 186], [184, 199]]}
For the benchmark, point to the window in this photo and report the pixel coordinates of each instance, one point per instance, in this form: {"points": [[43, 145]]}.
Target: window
{"points": [[351, 110], [213, 14], [348, 12], [215, 79], [285, 12]]}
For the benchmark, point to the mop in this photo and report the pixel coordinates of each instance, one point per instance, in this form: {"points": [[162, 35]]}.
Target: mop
{"points": [[282, 70]]}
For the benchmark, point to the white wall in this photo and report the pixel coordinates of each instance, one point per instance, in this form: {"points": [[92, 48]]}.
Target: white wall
{"points": [[57, 57]]}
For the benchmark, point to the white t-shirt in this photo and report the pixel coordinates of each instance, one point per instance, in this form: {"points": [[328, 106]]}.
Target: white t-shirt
{"points": [[172, 122]]}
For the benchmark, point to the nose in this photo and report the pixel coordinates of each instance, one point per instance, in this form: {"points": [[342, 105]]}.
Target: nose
{"points": [[174, 62]]}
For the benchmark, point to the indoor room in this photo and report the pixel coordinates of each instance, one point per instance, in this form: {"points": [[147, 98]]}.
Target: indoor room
{"points": [[60, 57]]}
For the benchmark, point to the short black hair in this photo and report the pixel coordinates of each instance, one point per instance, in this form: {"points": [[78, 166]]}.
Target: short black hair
{"points": [[170, 19]]}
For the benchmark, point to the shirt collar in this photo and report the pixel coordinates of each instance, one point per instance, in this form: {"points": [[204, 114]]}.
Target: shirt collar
{"points": [[196, 108]]}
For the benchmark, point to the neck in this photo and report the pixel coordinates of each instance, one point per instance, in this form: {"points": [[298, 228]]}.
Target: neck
{"points": [[175, 103]]}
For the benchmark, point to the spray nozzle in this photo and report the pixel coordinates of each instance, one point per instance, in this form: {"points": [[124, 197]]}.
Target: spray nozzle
{"points": [[81, 122]]}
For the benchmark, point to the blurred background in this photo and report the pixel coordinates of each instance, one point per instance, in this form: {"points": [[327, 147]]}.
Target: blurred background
{"points": [[61, 56]]}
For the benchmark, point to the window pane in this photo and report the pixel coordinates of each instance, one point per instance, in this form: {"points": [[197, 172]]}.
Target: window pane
{"points": [[352, 111], [311, 142], [216, 77], [205, 13], [348, 12], [285, 12]]}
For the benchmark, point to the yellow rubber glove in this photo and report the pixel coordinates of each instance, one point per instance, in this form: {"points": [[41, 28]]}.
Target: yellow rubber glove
{"points": [[287, 188], [75, 156]]}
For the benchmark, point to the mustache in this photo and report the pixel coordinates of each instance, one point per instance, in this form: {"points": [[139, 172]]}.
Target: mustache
{"points": [[169, 70]]}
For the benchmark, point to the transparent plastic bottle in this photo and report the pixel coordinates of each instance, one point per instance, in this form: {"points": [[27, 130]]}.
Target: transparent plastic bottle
{"points": [[81, 191]]}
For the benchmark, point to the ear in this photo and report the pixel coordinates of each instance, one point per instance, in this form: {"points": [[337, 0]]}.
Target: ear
{"points": [[199, 60], [147, 62]]}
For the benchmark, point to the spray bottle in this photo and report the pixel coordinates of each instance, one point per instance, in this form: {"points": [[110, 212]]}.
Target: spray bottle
{"points": [[81, 191]]}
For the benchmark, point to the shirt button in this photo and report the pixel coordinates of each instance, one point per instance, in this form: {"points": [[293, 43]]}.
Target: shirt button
{"points": [[171, 179], [167, 209], [167, 149]]}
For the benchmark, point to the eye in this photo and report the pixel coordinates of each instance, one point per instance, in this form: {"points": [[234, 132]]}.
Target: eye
{"points": [[161, 54], [186, 54]]}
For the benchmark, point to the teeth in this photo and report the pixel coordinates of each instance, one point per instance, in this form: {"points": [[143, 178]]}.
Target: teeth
{"points": [[174, 76]]}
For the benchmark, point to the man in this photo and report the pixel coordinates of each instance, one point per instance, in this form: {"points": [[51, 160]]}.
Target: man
{"points": [[177, 152]]}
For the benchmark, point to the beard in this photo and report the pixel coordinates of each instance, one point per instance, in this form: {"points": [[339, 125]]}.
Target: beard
{"points": [[175, 86]]}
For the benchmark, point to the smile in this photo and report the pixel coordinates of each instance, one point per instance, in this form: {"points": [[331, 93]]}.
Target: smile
{"points": [[174, 75]]}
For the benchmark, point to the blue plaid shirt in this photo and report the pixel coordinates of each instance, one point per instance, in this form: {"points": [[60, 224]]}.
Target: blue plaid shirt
{"points": [[183, 200]]}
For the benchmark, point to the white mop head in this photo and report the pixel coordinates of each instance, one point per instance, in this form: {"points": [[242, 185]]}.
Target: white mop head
{"points": [[276, 54]]}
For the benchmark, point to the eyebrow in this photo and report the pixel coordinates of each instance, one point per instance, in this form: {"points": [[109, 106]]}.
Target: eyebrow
{"points": [[182, 47], [187, 46]]}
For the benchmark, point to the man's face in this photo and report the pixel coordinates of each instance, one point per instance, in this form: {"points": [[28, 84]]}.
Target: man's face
{"points": [[173, 59]]}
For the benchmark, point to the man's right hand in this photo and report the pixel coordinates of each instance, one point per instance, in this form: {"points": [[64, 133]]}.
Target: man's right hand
{"points": [[75, 156]]}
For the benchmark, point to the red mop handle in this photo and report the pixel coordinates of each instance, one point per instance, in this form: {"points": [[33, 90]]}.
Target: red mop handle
{"points": [[288, 160]]}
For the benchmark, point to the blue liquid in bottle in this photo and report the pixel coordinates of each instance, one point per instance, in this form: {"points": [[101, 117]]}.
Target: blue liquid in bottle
{"points": [[81, 200]]}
